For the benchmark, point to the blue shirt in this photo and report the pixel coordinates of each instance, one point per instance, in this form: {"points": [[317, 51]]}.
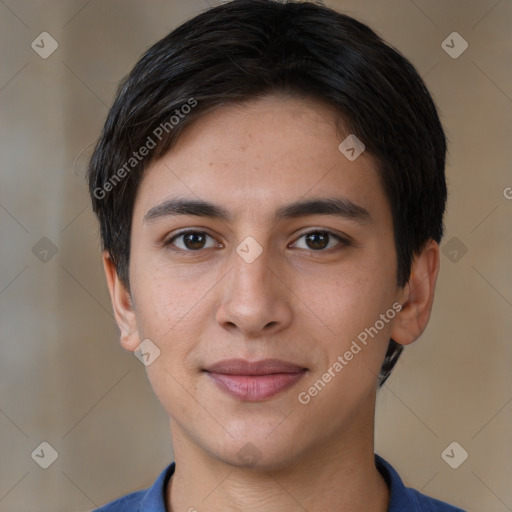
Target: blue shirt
{"points": [[401, 499]]}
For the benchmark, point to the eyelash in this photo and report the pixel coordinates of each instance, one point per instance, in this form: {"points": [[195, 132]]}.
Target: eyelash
{"points": [[343, 241]]}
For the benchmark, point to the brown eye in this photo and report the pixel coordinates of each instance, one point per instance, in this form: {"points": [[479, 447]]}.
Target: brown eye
{"points": [[320, 240], [191, 241]]}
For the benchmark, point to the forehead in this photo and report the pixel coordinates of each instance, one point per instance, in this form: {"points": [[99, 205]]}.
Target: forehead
{"points": [[259, 155]]}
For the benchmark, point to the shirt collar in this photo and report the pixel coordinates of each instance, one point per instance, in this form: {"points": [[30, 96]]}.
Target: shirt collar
{"points": [[155, 498], [399, 498]]}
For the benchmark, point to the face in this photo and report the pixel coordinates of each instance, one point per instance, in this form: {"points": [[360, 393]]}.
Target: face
{"points": [[288, 264]]}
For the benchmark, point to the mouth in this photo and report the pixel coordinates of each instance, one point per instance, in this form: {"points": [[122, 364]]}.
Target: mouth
{"points": [[254, 381]]}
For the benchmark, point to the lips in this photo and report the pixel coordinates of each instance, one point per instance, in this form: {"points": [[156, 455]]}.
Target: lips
{"points": [[254, 380]]}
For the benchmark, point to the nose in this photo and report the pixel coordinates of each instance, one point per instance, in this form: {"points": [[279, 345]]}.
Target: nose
{"points": [[255, 301]]}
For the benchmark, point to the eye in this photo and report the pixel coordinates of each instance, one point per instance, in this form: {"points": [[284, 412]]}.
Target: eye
{"points": [[319, 240], [192, 241]]}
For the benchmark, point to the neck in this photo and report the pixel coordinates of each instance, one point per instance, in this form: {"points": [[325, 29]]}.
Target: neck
{"points": [[340, 476]]}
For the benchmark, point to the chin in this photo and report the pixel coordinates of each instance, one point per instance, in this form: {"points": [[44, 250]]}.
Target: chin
{"points": [[260, 450]]}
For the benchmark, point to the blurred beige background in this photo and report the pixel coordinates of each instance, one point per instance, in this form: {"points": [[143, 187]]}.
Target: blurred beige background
{"points": [[65, 380]]}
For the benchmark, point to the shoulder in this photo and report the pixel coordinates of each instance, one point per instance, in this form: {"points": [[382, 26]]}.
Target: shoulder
{"points": [[150, 500], [428, 504], [405, 499], [128, 503]]}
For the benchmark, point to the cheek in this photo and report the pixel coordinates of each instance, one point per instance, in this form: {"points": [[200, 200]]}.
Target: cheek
{"points": [[355, 294], [169, 310], [171, 314], [349, 307]]}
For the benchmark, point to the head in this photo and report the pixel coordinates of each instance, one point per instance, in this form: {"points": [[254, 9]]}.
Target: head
{"points": [[244, 107]]}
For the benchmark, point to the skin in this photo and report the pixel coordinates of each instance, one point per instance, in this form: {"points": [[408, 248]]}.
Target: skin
{"points": [[293, 302]]}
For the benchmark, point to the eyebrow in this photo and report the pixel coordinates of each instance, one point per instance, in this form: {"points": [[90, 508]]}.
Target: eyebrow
{"points": [[340, 207]]}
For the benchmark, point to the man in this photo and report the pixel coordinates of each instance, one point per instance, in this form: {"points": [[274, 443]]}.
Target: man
{"points": [[270, 190]]}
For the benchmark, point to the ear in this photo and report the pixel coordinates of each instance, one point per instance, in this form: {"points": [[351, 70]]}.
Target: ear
{"points": [[122, 304], [417, 296]]}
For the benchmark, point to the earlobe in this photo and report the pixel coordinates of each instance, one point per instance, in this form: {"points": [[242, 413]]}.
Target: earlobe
{"points": [[122, 305], [417, 296]]}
